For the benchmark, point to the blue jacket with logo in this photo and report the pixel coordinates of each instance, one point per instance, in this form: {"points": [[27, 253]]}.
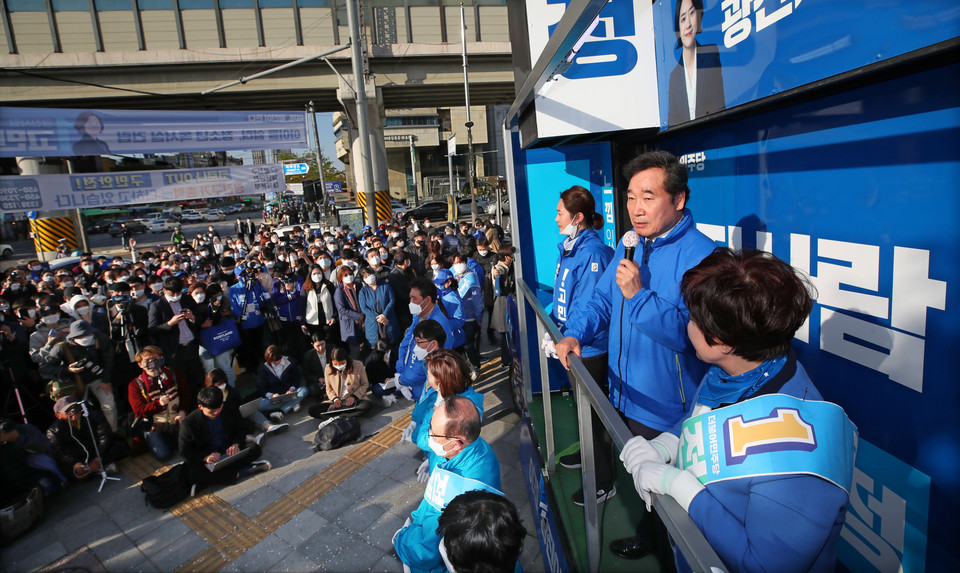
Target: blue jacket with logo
{"points": [[578, 271], [654, 369], [240, 295], [770, 523], [409, 368], [455, 315], [418, 544], [423, 413], [468, 286]]}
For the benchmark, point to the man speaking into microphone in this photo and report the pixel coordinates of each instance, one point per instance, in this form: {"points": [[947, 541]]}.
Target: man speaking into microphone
{"points": [[653, 368]]}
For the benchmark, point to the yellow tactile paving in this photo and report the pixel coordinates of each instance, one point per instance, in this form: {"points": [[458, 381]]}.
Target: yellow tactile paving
{"points": [[276, 514], [210, 559], [389, 435], [337, 472], [365, 452], [311, 490]]}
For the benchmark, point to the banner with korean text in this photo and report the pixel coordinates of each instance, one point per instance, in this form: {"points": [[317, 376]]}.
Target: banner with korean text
{"points": [[85, 190], [29, 132]]}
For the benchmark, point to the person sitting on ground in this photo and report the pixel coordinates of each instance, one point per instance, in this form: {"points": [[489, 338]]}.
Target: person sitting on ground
{"points": [[454, 434], [346, 384], [313, 365], [279, 375], [159, 398], [210, 433], [257, 425], [447, 375], [762, 508], [481, 531], [379, 371], [73, 446]]}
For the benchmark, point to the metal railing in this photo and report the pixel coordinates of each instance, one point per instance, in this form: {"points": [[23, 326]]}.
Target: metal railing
{"points": [[691, 542]]}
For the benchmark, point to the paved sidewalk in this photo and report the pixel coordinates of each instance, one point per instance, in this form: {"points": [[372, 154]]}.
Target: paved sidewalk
{"points": [[330, 511]]}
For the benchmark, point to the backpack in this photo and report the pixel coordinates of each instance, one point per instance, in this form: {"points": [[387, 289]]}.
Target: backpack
{"points": [[336, 432], [162, 491]]}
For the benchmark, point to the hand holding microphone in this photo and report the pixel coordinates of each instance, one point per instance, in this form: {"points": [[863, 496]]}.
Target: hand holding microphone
{"points": [[628, 272]]}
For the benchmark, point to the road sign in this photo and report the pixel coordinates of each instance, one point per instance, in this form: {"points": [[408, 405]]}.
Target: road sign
{"points": [[452, 145], [295, 169], [333, 187], [31, 214]]}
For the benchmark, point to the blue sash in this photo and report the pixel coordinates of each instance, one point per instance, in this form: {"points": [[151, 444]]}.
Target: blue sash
{"points": [[773, 434], [444, 485]]}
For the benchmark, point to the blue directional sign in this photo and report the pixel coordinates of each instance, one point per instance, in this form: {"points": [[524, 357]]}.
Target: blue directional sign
{"points": [[295, 169], [333, 187], [31, 214]]}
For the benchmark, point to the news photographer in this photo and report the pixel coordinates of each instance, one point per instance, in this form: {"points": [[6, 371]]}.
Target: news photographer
{"points": [[175, 326], [251, 304], [128, 330], [87, 357], [159, 398], [74, 444]]}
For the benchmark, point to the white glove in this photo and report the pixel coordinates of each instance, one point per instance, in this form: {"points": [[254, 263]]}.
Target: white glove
{"points": [[638, 450], [407, 392], [663, 479], [423, 472], [407, 434], [549, 349]]}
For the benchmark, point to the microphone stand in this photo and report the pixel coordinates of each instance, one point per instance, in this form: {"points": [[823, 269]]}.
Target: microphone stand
{"points": [[103, 470]]}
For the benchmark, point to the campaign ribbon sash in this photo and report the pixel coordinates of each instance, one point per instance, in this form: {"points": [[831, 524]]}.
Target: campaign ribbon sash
{"points": [[773, 434], [444, 485]]}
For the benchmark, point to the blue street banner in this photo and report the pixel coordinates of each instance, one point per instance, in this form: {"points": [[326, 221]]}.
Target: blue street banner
{"points": [[730, 52], [84, 190], [44, 132], [333, 187]]}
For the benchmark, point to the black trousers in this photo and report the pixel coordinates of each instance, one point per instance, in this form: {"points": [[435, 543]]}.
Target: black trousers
{"points": [[199, 474]]}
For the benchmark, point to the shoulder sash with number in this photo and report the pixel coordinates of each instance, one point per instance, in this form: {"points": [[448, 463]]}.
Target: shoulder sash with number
{"points": [[444, 485]]}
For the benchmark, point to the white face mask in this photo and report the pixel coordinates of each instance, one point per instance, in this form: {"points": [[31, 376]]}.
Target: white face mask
{"points": [[200, 297], [483, 253], [348, 280], [84, 340], [437, 447], [137, 293], [67, 284], [84, 310], [415, 309], [324, 263], [270, 264], [88, 268], [459, 268], [32, 312], [570, 230], [370, 279], [435, 267], [339, 366], [374, 261], [49, 279], [156, 287], [175, 298], [420, 353], [316, 277], [51, 319]]}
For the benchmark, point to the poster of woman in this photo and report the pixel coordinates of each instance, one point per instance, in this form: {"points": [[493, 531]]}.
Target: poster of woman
{"points": [[696, 83]]}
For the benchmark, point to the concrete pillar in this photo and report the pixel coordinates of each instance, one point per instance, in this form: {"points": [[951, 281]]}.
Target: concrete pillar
{"points": [[52, 225], [378, 150]]}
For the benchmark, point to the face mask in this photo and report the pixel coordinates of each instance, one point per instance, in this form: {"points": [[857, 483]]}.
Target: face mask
{"points": [[222, 387], [415, 309], [156, 287], [82, 310], [123, 279], [437, 447], [51, 320], [204, 253], [49, 279], [174, 298], [88, 268], [84, 340], [137, 293], [218, 298], [483, 253], [15, 286], [151, 261], [400, 244], [435, 267], [370, 279], [270, 264], [460, 268], [420, 353], [331, 247], [67, 284], [316, 277], [324, 263], [36, 267], [570, 230], [339, 366], [200, 297], [374, 261], [348, 280], [352, 264]]}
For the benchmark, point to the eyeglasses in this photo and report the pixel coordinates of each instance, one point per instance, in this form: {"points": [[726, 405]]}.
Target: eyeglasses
{"points": [[432, 435]]}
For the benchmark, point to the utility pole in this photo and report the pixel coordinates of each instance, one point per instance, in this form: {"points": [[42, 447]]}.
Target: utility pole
{"points": [[413, 171], [316, 138], [363, 125], [469, 124]]}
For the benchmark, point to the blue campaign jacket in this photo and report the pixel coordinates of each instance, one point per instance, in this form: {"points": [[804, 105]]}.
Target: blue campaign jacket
{"points": [[468, 287], [238, 294], [477, 268], [287, 303], [417, 545], [654, 369], [377, 302], [409, 368], [578, 271], [423, 413], [787, 522], [455, 315]]}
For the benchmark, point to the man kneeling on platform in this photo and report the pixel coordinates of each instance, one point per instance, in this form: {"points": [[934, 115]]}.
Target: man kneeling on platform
{"points": [[454, 434], [212, 434]]}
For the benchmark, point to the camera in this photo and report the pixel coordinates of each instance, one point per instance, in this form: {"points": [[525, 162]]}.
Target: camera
{"points": [[121, 298], [90, 366]]}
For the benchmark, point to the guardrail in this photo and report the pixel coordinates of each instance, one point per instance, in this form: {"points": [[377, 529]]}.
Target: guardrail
{"points": [[691, 542]]}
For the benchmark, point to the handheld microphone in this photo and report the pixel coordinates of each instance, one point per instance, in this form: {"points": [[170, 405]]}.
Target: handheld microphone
{"points": [[630, 241]]}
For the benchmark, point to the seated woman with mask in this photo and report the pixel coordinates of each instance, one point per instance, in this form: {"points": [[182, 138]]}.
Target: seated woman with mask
{"points": [[346, 384]]}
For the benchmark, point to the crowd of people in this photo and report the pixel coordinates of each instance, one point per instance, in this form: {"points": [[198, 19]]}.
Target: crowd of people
{"points": [[144, 354]]}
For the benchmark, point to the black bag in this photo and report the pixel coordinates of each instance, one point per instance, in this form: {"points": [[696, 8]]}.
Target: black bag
{"points": [[336, 432], [166, 489]]}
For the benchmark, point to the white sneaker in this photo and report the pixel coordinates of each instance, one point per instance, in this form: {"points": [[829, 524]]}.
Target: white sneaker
{"points": [[193, 490], [277, 428], [276, 416], [259, 438], [261, 466], [296, 408]]}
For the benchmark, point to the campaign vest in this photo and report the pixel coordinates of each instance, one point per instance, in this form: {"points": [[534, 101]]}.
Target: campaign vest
{"points": [[444, 485], [774, 434]]}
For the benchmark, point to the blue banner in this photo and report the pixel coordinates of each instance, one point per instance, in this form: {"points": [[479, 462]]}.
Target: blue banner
{"points": [[85, 190], [32, 132], [730, 52]]}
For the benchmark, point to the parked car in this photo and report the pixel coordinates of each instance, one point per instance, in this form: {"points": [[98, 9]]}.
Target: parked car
{"points": [[6, 251], [233, 208], [163, 225], [504, 205], [190, 216], [100, 226], [433, 210], [135, 227], [213, 215]]}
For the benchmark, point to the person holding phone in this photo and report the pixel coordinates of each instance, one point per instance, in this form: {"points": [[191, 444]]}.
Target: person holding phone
{"points": [[175, 325]]}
